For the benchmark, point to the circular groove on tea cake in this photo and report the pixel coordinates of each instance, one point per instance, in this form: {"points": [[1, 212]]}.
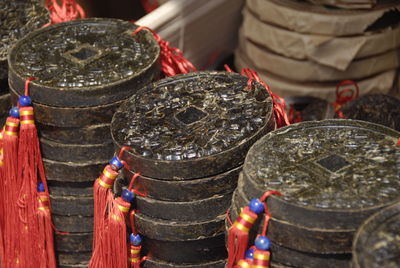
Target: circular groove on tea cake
{"points": [[195, 210], [77, 189], [73, 224], [192, 125], [72, 172], [71, 116], [376, 243], [165, 230], [294, 236], [91, 134], [79, 258], [296, 258], [325, 160], [71, 205], [193, 251], [186, 190], [376, 108], [154, 263], [73, 242], [79, 69], [76, 152]]}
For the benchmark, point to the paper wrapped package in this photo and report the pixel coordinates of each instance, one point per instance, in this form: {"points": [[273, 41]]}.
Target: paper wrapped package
{"points": [[380, 83], [304, 17], [331, 51]]}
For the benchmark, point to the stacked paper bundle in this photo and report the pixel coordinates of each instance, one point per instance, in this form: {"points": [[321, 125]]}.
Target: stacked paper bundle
{"points": [[303, 49], [349, 4]]}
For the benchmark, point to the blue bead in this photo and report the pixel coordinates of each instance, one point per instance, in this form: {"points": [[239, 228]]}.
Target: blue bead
{"points": [[256, 206], [127, 195], [116, 163], [250, 253], [136, 240], [25, 101], [262, 243], [40, 187], [14, 112]]}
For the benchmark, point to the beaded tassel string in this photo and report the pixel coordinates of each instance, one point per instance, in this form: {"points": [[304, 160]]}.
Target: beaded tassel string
{"points": [[37, 228], [110, 247], [238, 233], [103, 199]]}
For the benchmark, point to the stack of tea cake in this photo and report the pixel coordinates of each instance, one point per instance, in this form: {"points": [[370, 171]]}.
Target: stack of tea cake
{"points": [[83, 70]]}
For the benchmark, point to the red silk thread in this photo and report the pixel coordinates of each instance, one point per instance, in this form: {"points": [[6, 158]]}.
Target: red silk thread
{"points": [[278, 102], [344, 95], [68, 10], [172, 60]]}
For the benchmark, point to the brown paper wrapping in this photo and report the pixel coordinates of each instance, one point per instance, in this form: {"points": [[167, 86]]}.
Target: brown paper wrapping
{"points": [[380, 83], [307, 71], [307, 18], [352, 4], [336, 52]]}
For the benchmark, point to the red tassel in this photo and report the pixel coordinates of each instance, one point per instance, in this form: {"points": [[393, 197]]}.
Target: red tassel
{"points": [[243, 264], [172, 60], [103, 201], [34, 232], [68, 10], [116, 234], [46, 250], [10, 187], [238, 236], [2, 201]]}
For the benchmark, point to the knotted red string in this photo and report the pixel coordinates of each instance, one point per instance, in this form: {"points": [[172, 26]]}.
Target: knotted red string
{"points": [[278, 102], [149, 5], [344, 95], [130, 187], [172, 60], [68, 10], [266, 210]]}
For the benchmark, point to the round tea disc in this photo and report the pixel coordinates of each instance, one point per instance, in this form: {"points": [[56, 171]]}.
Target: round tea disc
{"points": [[333, 174], [376, 243], [192, 125], [18, 18], [376, 108], [84, 63]]}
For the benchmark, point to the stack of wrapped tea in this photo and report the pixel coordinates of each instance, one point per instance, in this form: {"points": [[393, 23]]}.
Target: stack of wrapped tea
{"points": [[300, 48]]}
